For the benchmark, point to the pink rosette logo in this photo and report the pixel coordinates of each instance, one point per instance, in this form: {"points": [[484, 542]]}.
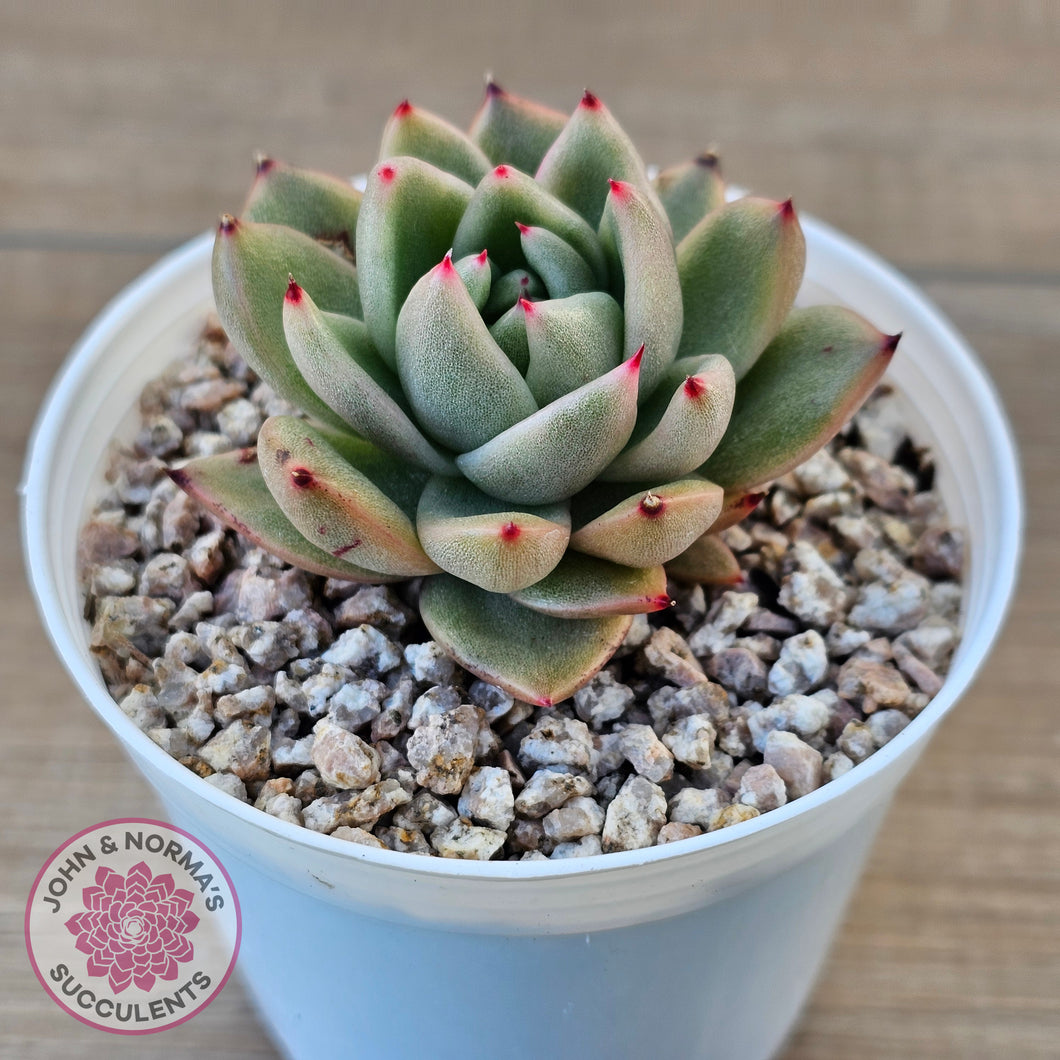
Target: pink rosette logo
{"points": [[133, 926]]}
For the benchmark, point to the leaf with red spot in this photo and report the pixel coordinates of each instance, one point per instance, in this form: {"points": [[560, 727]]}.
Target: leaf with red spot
{"points": [[690, 191], [487, 542], [515, 130], [538, 658], [421, 134]]}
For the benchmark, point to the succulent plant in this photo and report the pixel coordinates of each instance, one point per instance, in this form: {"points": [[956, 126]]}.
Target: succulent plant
{"points": [[527, 373]]}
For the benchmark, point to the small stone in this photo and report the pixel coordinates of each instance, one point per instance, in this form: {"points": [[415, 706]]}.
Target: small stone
{"points": [[230, 784], [264, 594], [579, 816], [127, 624], [585, 847], [117, 578], [602, 700], [736, 813], [430, 663], [932, 642], [442, 750], [675, 831], [268, 644], [222, 677], [648, 755], [209, 394], [357, 703], [286, 807], [856, 741], [405, 840], [159, 436], [487, 797], [667, 653], [290, 754], [358, 835], [797, 763], [180, 521], [528, 835], [691, 740], [813, 590], [919, 673], [939, 552], [887, 485], [881, 425], [425, 812], [802, 665], [557, 740], [739, 670], [885, 725], [696, 806], [635, 816], [193, 610], [891, 607], [871, 684], [320, 687], [842, 640], [358, 808], [435, 700], [373, 605], [666, 704], [546, 790], [762, 788], [205, 443], [365, 650], [835, 766], [464, 840], [821, 473], [854, 532], [242, 748], [240, 421], [310, 630], [206, 557], [342, 758]]}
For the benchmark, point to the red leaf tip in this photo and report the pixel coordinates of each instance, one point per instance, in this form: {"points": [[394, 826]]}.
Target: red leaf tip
{"points": [[403, 108], [294, 292], [589, 101], [483, 257], [527, 305], [510, 532], [501, 171], [619, 188], [890, 344], [179, 476], [523, 229], [228, 224], [493, 89], [694, 387], [633, 364], [708, 160], [262, 163], [446, 264], [786, 210], [387, 173], [660, 603]]}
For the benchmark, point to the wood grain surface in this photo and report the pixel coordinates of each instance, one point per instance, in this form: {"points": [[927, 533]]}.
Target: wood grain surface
{"points": [[928, 129]]}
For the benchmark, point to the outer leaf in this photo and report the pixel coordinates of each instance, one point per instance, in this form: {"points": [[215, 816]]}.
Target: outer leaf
{"points": [[637, 240], [515, 130], [592, 149], [408, 217], [707, 560], [734, 507], [230, 485], [317, 204], [562, 269], [417, 132], [537, 658], [479, 539], [676, 432], [338, 505], [561, 449], [649, 527], [690, 191], [251, 266], [462, 386], [586, 587], [810, 380], [740, 269], [341, 365], [571, 341], [504, 197]]}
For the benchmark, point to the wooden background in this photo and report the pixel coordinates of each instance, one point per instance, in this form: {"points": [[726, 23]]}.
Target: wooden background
{"points": [[930, 130]]}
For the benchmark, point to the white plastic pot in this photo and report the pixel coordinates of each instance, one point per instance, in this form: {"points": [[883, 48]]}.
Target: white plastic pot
{"points": [[703, 948]]}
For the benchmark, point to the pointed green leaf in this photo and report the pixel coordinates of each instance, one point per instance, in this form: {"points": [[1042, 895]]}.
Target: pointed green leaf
{"points": [[509, 332], [251, 266], [677, 431], [561, 268], [571, 341], [538, 658], [515, 130], [320, 205], [651, 526], [460, 382], [708, 561], [408, 218], [592, 149], [587, 587], [510, 289], [477, 274], [231, 486], [808, 383], [506, 196], [416, 132], [690, 191], [341, 506], [740, 270], [636, 238], [338, 360], [561, 449], [485, 541]]}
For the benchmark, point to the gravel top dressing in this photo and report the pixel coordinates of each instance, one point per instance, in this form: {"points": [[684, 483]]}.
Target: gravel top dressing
{"points": [[325, 703]]}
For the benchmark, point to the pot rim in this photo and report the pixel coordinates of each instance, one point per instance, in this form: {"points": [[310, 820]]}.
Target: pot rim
{"points": [[976, 641]]}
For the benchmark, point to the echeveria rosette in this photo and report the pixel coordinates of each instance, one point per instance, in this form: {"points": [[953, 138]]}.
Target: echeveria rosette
{"points": [[533, 376]]}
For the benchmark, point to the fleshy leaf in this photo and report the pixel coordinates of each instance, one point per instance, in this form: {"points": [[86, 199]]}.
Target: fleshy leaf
{"points": [[515, 130], [318, 204], [510, 289], [690, 191], [809, 381], [350, 500], [483, 541], [651, 526], [592, 149], [734, 507], [561, 449], [477, 274], [504, 197], [231, 486], [561, 268], [571, 341], [509, 332], [637, 241], [537, 658], [740, 270], [409, 215], [707, 561], [586, 587], [338, 360], [417, 132], [676, 431], [251, 266], [460, 382]]}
